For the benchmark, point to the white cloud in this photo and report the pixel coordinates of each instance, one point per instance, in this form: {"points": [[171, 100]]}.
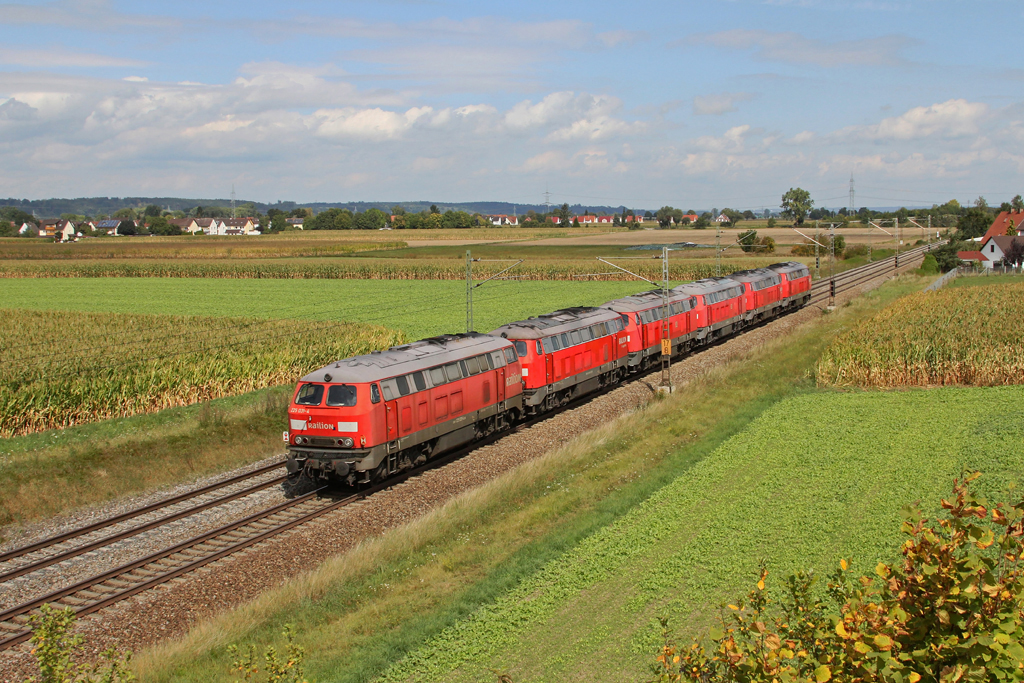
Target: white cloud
{"points": [[796, 49], [720, 103], [369, 124], [950, 119], [732, 140]]}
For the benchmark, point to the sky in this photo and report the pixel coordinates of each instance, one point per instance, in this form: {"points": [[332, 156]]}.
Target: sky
{"points": [[721, 103]]}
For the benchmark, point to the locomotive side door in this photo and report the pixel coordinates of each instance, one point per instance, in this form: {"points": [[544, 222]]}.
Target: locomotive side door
{"points": [[391, 408], [500, 384], [549, 367]]}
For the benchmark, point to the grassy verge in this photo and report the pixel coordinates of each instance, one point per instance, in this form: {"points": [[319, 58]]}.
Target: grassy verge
{"points": [[52, 472], [369, 608], [984, 280], [799, 488]]}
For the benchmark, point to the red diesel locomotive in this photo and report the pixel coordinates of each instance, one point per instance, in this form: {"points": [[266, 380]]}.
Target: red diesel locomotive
{"points": [[567, 353], [361, 419], [365, 418]]}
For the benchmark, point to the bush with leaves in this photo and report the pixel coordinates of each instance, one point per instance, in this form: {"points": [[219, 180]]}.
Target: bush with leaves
{"points": [[951, 611], [56, 650], [277, 669]]}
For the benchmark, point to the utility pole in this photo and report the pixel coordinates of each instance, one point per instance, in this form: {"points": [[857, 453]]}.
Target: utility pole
{"points": [[666, 327], [470, 286], [718, 251], [832, 264], [817, 257], [469, 292]]}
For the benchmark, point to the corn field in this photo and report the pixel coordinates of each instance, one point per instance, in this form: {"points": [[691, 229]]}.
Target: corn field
{"points": [[59, 369], [359, 268], [958, 336], [187, 248]]}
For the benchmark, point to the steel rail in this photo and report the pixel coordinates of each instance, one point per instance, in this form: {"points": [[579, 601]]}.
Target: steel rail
{"points": [[134, 531], [130, 514]]}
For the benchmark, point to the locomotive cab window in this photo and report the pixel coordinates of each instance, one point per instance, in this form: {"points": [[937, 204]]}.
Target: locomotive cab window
{"points": [[548, 344], [520, 348], [540, 348], [510, 354], [437, 377], [341, 396], [403, 386], [310, 395], [566, 342], [374, 394]]}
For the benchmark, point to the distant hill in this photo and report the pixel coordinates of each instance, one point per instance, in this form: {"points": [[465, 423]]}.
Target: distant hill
{"points": [[103, 206]]}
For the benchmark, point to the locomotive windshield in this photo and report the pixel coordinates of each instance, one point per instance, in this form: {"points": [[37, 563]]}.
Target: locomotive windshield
{"points": [[341, 395], [310, 395], [520, 348]]}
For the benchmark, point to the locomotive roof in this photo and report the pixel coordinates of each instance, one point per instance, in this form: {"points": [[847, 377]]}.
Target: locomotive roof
{"points": [[788, 267], [398, 360], [753, 275], [707, 285], [565, 320], [644, 301]]}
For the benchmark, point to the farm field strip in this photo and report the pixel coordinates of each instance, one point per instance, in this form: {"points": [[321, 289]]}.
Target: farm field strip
{"points": [[365, 268], [964, 335], [797, 487], [187, 248]]}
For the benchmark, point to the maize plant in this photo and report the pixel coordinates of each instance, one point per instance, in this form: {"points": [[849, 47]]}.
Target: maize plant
{"points": [[62, 368], [959, 336]]}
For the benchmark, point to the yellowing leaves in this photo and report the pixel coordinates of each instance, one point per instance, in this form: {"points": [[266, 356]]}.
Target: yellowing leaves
{"points": [[822, 674]]}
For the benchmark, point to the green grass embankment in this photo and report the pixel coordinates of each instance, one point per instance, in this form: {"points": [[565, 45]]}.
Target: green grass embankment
{"points": [[817, 478], [362, 612]]}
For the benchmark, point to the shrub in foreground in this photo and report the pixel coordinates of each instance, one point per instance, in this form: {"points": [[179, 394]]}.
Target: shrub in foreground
{"points": [[56, 650], [952, 610]]}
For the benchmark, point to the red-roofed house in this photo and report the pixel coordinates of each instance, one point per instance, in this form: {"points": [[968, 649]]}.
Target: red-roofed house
{"points": [[995, 249], [1003, 223]]}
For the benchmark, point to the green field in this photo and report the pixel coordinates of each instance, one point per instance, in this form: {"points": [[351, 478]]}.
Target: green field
{"points": [[799, 488], [418, 308]]}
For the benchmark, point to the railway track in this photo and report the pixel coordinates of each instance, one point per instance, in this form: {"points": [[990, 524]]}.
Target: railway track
{"points": [[103, 590], [62, 547], [820, 290]]}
